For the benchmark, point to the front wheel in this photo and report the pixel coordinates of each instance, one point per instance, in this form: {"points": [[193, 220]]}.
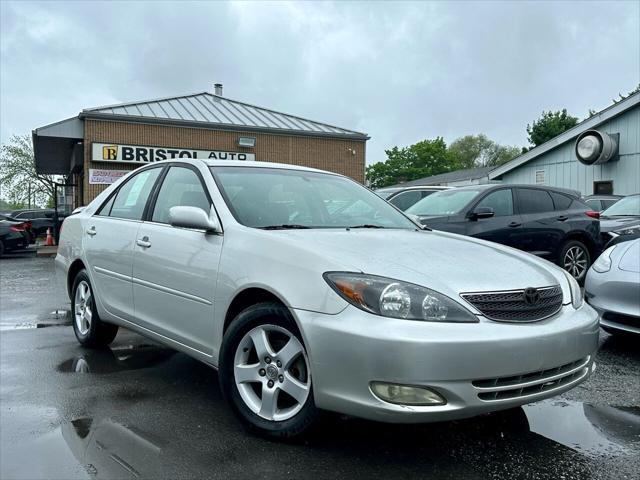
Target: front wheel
{"points": [[89, 329], [575, 258], [264, 372]]}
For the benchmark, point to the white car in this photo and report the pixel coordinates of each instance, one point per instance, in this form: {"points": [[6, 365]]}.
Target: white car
{"points": [[307, 291]]}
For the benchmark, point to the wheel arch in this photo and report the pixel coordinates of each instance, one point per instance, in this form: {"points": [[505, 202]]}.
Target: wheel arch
{"points": [[76, 266], [248, 297], [581, 237]]}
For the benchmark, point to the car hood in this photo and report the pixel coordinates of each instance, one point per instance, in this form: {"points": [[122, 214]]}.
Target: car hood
{"points": [[609, 224], [445, 262]]}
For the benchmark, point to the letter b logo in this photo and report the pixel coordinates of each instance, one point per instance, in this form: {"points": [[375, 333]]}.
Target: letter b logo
{"points": [[110, 152]]}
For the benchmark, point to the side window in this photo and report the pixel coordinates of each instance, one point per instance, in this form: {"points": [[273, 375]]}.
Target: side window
{"points": [[130, 200], [607, 203], [562, 202], [181, 188], [501, 201], [406, 199], [105, 210], [534, 201]]}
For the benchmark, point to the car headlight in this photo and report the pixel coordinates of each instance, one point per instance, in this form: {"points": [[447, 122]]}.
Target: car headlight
{"points": [[628, 231], [603, 263], [396, 299], [576, 292]]}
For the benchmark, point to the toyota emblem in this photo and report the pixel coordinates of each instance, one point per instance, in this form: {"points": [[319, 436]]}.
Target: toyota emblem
{"points": [[531, 296]]}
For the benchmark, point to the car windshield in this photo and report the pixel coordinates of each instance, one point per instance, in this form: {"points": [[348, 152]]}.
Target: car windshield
{"points": [[444, 202], [281, 198], [628, 206]]}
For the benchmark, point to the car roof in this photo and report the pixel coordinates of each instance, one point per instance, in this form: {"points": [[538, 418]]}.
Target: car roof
{"points": [[603, 196], [260, 164], [488, 186]]}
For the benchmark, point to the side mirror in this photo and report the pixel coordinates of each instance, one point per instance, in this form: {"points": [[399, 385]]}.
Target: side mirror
{"points": [[193, 217], [481, 212]]}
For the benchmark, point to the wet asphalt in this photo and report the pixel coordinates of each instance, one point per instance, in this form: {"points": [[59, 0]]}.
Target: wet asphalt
{"points": [[139, 410]]}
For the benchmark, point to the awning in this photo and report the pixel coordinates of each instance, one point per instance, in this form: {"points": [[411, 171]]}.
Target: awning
{"points": [[54, 146]]}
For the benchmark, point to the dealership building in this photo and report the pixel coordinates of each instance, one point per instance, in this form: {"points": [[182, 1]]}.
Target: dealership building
{"points": [[95, 148]]}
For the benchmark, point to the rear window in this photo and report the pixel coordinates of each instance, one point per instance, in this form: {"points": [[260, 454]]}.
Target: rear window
{"points": [[534, 201], [560, 201]]}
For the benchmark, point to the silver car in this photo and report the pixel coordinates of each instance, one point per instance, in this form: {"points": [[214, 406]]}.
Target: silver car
{"points": [[307, 291], [613, 287]]}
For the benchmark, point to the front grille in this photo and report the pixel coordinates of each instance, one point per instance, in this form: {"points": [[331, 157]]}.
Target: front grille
{"points": [[511, 306], [621, 319], [506, 388]]}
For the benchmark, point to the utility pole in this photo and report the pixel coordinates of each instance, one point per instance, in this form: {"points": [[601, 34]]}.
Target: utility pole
{"points": [[29, 200]]}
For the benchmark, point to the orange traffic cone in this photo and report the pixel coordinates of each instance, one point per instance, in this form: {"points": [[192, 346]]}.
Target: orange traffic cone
{"points": [[49, 242]]}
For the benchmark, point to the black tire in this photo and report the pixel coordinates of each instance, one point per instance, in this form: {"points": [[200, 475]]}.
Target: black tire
{"points": [[568, 253], [99, 334], [263, 314], [1, 248]]}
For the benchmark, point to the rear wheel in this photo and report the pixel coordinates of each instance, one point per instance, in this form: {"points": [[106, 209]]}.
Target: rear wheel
{"points": [[89, 329], [264, 372], [575, 259]]}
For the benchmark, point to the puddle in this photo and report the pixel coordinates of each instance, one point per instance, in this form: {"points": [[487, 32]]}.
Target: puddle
{"points": [[588, 429], [85, 448], [116, 360]]}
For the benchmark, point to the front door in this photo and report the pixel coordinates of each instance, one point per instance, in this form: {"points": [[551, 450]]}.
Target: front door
{"points": [[109, 239], [504, 227], [175, 269]]}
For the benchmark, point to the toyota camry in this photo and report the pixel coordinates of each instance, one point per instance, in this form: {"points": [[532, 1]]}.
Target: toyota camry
{"points": [[308, 292]]}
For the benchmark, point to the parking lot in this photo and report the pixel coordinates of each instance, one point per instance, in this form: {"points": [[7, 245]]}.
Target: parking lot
{"points": [[140, 410]]}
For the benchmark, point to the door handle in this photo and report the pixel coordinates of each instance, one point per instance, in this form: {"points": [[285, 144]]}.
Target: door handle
{"points": [[91, 231], [562, 218], [143, 242], [514, 224]]}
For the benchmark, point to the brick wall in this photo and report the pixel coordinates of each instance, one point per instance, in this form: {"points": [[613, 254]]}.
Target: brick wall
{"points": [[324, 153]]}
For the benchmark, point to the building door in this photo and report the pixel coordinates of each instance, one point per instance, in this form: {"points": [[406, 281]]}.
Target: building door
{"points": [[603, 187]]}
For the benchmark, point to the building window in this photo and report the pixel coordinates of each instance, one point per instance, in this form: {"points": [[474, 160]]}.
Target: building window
{"points": [[540, 177], [247, 142], [603, 188]]}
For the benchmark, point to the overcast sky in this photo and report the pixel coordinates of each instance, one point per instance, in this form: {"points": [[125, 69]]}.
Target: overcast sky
{"points": [[401, 72]]}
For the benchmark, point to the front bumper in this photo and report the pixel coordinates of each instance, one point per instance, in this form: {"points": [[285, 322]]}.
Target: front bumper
{"points": [[349, 350], [615, 295]]}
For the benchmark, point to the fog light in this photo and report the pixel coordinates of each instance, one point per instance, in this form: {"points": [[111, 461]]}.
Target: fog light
{"points": [[405, 394]]}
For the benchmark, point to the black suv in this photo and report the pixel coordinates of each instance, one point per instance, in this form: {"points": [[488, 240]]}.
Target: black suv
{"points": [[549, 222]]}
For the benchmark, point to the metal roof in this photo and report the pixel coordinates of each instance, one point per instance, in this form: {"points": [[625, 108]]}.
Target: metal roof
{"points": [[591, 122], [455, 176], [215, 111]]}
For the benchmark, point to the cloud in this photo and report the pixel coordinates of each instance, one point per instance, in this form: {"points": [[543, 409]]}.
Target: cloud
{"points": [[401, 72]]}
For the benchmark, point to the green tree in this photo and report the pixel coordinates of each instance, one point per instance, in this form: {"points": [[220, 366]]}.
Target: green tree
{"points": [[473, 151], [18, 172], [422, 159], [549, 125]]}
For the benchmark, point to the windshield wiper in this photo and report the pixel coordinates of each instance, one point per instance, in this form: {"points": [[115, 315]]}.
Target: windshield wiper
{"points": [[284, 227], [366, 225]]}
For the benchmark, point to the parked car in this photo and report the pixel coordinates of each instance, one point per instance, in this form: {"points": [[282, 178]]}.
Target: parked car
{"points": [[549, 222], [613, 288], [601, 202], [307, 291], [28, 227], [621, 221], [403, 198], [40, 218], [13, 236]]}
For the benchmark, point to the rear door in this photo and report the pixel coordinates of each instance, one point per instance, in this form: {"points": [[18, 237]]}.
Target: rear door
{"points": [[175, 269], [109, 238], [543, 227], [505, 226]]}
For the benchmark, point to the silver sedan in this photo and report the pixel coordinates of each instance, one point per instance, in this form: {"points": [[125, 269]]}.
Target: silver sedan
{"points": [[613, 288], [307, 291]]}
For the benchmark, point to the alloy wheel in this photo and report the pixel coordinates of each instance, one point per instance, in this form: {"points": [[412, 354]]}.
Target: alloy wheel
{"points": [[576, 261], [271, 372], [82, 310]]}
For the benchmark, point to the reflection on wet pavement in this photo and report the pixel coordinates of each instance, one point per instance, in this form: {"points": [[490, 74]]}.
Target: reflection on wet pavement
{"points": [[586, 428], [110, 360]]}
